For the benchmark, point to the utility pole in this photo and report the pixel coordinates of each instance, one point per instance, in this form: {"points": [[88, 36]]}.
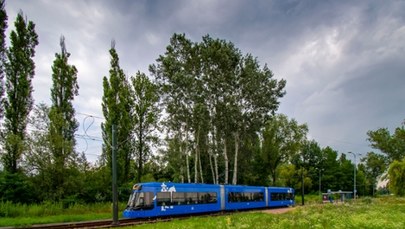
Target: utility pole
{"points": [[114, 176], [302, 178], [320, 183], [320, 168], [354, 175], [302, 186]]}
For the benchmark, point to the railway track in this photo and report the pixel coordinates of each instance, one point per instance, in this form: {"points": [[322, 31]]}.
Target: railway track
{"points": [[92, 224], [108, 223], [124, 222]]}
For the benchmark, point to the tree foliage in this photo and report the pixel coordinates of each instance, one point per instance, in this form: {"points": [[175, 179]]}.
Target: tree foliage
{"points": [[116, 110], [392, 145], [396, 174], [345, 174], [3, 27], [63, 124], [374, 166], [19, 69], [145, 113], [217, 99], [332, 166], [282, 141]]}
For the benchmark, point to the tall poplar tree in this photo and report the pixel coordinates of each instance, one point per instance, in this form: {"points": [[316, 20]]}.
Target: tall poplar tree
{"points": [[116, 107], [19, 69], [63, 123], [3, 27], [175, 78], [145, 114]]}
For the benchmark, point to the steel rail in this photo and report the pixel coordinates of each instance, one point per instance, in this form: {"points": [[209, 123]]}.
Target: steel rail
{"points": [[121, 222]]}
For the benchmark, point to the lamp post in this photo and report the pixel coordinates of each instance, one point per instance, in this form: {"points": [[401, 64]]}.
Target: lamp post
{"points": [[354, 172], [320, 182], [302, 179], [320, 168]]}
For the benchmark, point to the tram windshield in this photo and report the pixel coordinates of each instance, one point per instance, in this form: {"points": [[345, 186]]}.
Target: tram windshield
{"points": [[140, 200]]}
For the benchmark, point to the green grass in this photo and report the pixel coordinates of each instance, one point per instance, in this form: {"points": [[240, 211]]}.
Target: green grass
{"points": [[383, 212], [27, 221], [24, 215], [375, 213], [309, 199]]}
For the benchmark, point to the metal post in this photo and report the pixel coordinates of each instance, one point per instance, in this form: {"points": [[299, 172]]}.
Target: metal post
{"points": [[354, 175], [302, 186], [320, 193], [114, 176], [320, 167], [355, 168], [302, 179]]}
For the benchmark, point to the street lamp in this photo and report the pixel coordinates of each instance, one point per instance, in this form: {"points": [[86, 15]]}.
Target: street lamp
{"points": [[354, 172], [320, 181], [320, 170], [302, 180]]}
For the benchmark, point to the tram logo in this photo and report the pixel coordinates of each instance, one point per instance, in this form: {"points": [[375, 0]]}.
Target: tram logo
{"points": [[166, 189]]}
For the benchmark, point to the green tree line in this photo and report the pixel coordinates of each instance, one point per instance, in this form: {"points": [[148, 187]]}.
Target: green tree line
{"points": [[206, 113]]}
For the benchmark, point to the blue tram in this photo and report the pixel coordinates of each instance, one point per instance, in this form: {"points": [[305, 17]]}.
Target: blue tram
{"points": [[163, 199]]}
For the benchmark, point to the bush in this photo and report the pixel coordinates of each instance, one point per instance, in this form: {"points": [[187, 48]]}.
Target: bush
{"points": [[16, 188], [367, 200], [396, 175]]}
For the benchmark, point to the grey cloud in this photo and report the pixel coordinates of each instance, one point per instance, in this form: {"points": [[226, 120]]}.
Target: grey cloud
{"points": [[342, 59]]}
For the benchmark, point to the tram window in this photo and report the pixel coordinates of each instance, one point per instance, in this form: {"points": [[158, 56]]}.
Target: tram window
{"points": [[235, 197], [141, 200], [202, 198], [185, 198], [245, 196], [230, 197], [147, 201], [258, 196], [281, 196], [212, 197], [275, 196], [163, 198], [207, 197], [192, 198], [179, 198]]}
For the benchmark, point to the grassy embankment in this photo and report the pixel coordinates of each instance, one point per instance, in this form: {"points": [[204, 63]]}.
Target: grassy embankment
{"points": [[24, 215], [383, 212]]}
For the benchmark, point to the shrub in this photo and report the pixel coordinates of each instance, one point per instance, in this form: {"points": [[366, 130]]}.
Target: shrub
{"points": [[396, 175]]}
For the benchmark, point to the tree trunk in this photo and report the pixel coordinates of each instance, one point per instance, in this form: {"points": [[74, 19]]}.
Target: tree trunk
{"points": [[214, 147], [216, 169], [188, 166], [201, 172], [226, 162], [181, 164], [196, 166], [273, 177], [212, 168], [181, 174], [196, 148], [188, 169], [235, 164]]}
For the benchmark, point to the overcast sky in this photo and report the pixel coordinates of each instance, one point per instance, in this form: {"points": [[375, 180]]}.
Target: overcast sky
{"points": [[344, 61]]}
